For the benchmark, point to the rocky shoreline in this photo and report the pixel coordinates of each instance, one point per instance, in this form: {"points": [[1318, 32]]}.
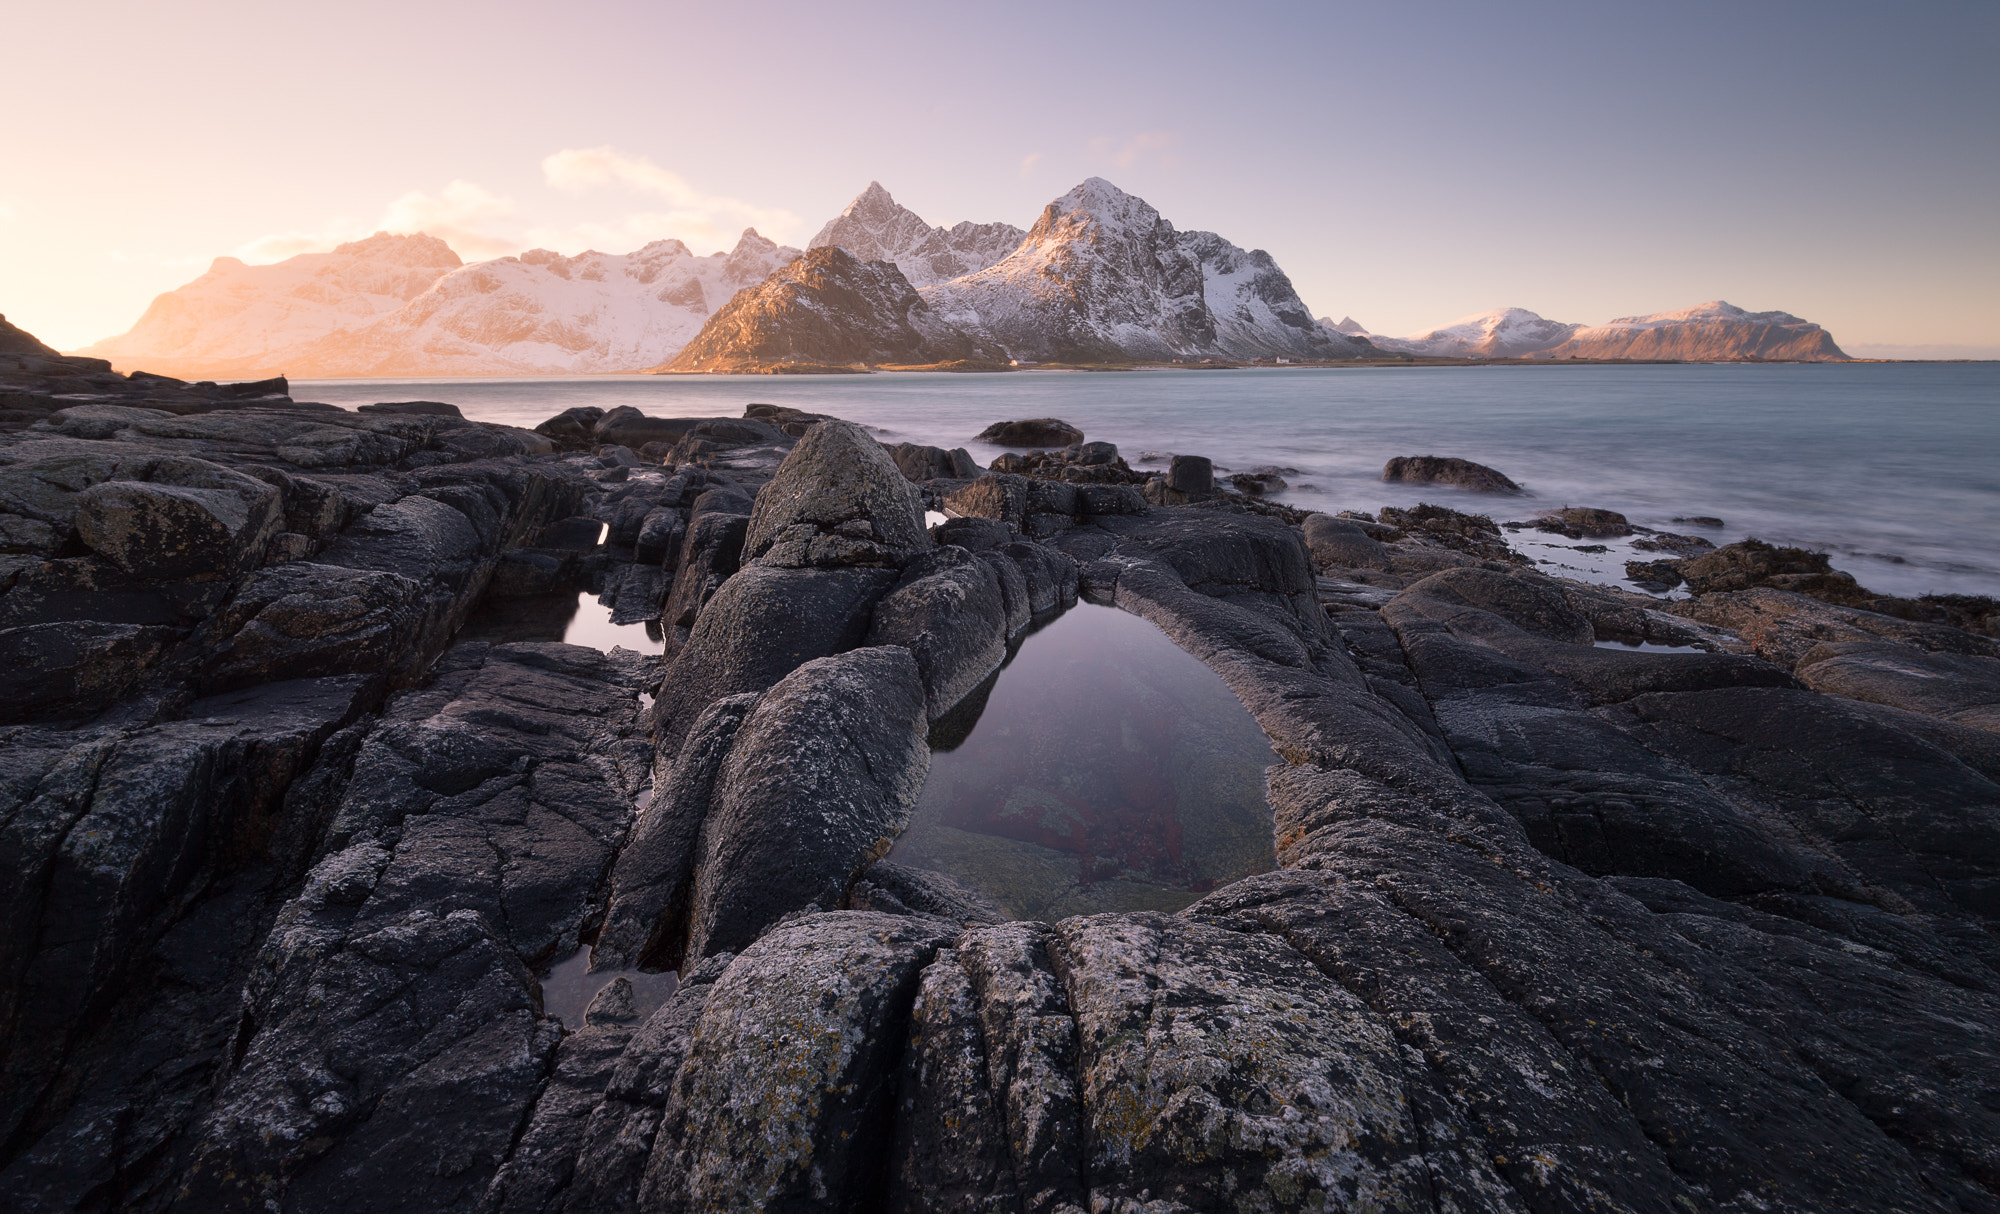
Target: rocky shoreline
{"points": [[1554, 926]]}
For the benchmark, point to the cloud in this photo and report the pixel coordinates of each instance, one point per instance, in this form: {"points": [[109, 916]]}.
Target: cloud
{"points": [[479, 224], [691, 215], [1154, 144], [1028, 164]]}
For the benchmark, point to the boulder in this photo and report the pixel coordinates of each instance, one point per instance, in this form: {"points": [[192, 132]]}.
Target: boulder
{"points": [[1447, 470], [921, 463], [973, 534], [174, 533], [1752, 562], [763, 623], [787, 1096], [1338, 543], [953, 619], [820, 779], [1577, 522], [1031, 432], [838, 499], [997, 495], [1191, 474], [711, 550]]}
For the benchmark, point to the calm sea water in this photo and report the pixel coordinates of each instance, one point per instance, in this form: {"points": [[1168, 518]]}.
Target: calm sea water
{"points": [[1892, 468]]}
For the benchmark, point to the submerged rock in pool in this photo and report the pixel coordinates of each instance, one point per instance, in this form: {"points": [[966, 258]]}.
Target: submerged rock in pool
{"points": [[1109, 770]]}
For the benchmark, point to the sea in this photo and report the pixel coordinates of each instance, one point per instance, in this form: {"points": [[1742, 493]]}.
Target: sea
{"points": [[1891, 468]]}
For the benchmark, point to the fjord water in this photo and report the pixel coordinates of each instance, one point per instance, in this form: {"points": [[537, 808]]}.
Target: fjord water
{"points": [[1106, 770], [1894, 468]]}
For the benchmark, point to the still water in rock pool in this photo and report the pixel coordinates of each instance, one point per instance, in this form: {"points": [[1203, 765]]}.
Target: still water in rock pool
{"points": [[573, 616], [1108, 770]]}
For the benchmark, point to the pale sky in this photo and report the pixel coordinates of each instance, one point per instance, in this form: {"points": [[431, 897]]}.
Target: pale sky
{"points": [[1405, 163]]}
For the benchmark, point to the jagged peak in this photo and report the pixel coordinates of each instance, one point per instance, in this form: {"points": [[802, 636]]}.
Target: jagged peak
{"points": [[411, 248]]}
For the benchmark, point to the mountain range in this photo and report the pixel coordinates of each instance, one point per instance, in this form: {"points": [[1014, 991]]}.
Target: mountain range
{"points": [[1715, 331], [1099, 277]]}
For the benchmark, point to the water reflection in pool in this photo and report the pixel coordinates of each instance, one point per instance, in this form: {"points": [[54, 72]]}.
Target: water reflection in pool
{"points": [[1109, 770], [567, 615]]}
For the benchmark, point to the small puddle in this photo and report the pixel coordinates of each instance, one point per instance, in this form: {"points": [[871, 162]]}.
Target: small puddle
{"points": [[573, 616], [570, 986], [1648, 647], [1109, 770]]}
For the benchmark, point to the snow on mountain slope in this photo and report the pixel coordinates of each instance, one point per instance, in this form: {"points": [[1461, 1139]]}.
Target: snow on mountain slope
{"points": [[545, 314], [1101, 276], [227, 322], [874, 227], [1714, 331], [1496, 333], [1347, 326], [404, 305]]}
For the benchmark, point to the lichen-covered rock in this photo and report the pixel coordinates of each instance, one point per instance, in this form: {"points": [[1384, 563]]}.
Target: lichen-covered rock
{"points": [[1954, 687], [838, 499], [787, 1096], [820, 779]]}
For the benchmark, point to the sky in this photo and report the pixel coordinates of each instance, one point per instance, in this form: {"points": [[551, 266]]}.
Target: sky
{"points": [[1405, 164]]}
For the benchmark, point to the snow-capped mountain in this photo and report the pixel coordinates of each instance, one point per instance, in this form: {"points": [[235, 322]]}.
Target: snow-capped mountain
{"points": [[1346, 326], [327, 314], [1101, 276], [874, 227], [1498, 333], [545, 314], [230, 322], [1714, 331], [828, 308]]}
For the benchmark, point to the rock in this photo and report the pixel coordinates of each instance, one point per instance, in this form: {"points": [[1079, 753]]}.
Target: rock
{"points": [[710, 554], [660, 535], [838, 499], [833, 756], [1781, 627], [1700, 520], [954, 622], [1751, 562], [1667, 541], [169, 532], [646, 920], [572, 429], [1257, 483], [1953, 687], [973, 534], [1475, 535], [76, 668], [996, 495], [1576, 522], [762, 624], [1191, 474], [1445, 470], [1033, 432], [1338, 543], [898, 889], [413, 408], [1654, 575], [615, 455], [829, 994], [920, 463]]}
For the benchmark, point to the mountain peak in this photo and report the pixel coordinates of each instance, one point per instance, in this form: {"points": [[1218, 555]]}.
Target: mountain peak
{"points": [[875, 227], [409, 249]]}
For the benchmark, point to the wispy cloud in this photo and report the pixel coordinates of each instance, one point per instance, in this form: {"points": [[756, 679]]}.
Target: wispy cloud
{"points": [[1155, 145], [1028, 164], [479, 224], [691, 214]]}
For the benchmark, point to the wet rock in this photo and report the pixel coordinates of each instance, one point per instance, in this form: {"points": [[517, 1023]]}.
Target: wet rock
{"points": [[1953, 687], [1782, 627], [1750, 563], [1446, 470], [1700, 520], [1258, 482], [900, 890], [660, 535], [1653, 575], [831, 995], [835, 751], [571, 430], [837, 500], [1667, 541], [1577, 522], [1474, 535], [1032, 432]]}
